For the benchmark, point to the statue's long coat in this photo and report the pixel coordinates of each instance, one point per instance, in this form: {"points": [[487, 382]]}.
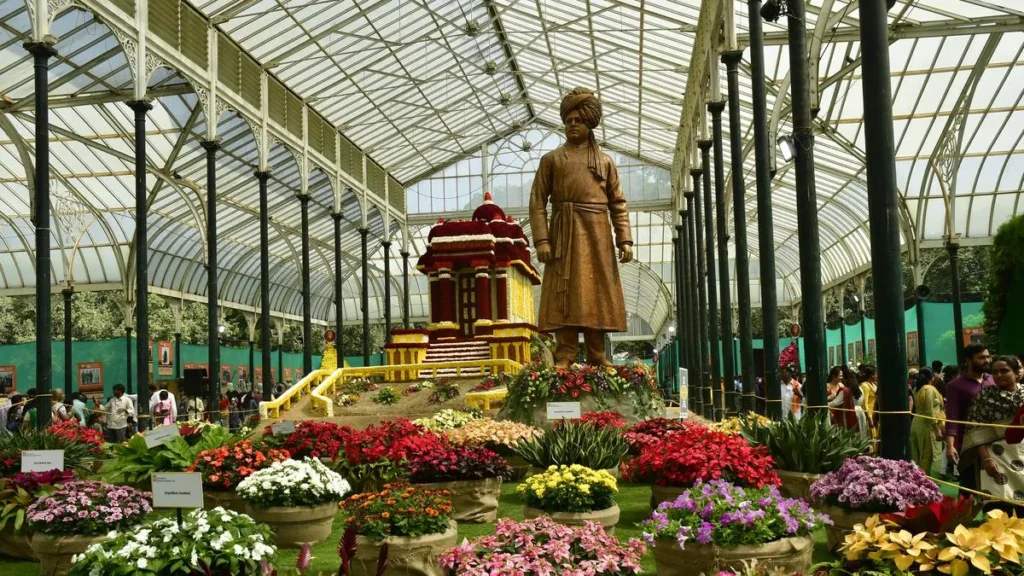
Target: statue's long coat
{"points": [[581, 285]]}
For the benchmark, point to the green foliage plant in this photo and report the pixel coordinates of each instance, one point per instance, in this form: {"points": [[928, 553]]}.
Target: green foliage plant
{"points": [[1005, 277], [575, 443], [134, 463], [386, 396], [810, 445], [78, 455]]}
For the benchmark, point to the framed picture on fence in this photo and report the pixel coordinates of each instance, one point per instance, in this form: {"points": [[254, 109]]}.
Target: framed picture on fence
{"points": [[8, 378], [90, 376]]}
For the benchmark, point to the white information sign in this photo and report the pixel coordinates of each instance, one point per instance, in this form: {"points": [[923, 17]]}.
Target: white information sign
{"points": [[161, 435], [283, 427], [177, 490], [42, 460], [560, 410], [684, 394]]}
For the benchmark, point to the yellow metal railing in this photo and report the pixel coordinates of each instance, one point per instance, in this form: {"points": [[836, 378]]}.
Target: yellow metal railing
{"points": [[273, 408], [321, 395]]}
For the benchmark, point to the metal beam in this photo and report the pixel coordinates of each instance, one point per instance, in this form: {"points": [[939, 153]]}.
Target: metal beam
{"points": [[904, 31]]}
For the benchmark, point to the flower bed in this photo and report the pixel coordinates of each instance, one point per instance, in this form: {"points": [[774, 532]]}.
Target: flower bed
{"points": [[472, 476], [630, 390], [208, 542], [492, 382], [716, 526], [540, 546], [701, 454], [386, 396], [79, 451], [373, 457], [417, 387], [297, 499], [358, 386], [734, 424], [572, 495], [133, 462]]}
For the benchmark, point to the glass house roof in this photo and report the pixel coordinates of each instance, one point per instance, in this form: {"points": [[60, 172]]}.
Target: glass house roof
{"points": [[427, 88]]}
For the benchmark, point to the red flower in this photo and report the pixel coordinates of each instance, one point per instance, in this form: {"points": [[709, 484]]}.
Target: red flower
{"points": [[699, 453]]}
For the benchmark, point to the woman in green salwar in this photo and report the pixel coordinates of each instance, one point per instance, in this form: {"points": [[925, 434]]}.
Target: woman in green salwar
{"points": [[926, 428]]}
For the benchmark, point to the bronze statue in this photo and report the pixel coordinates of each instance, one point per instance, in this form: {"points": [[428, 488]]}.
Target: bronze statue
{"points": [[581, 289]]}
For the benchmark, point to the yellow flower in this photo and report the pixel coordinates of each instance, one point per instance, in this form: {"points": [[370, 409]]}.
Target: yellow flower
{"points": [[585, 488]]}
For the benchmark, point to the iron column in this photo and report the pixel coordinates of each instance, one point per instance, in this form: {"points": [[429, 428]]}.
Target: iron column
{"points": [[807, 210], [724, 285], [681, 297], [883, 216], [69, 381], [365, 296], [265, 360], [339, 301], [919, 312], [128, 359], [702, 289], [739, 209], [177, 354], [211, 147], [765, 222], [387, 290], [142, 347], [693, 319], [405, 290], [307, 308], [41, 53], [710, 399], [953, 247]]}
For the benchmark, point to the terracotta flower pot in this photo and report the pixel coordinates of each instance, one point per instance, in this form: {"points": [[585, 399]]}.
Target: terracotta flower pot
{"points": [[229, 500], [789, 554], [55, 552], [843, 521], [607, 518], [661, 494], [294, 526], [473, 501], [796, 484], [406, 556], [16, 544]]}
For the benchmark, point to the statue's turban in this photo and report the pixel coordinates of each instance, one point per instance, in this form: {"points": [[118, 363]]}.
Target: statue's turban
{"points": [[586, 103]]}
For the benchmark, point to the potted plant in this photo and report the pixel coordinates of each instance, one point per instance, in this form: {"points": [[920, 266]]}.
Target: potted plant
{"points": [[868, 485], [78, 514], [551, 548], [877, 546], [572, 495], [414, 523], [213, 542], [651, 431], [17, 494], [296, 498], [446, 419], [312, 438], [386, 395], [133, 462], [700, 454], [804, 449], [719, 526], [444, 390], [472, 476], [79, 452], [604, 419], [500, 436], [580, 443], [734, 424], [375, 456], [225, 467]]}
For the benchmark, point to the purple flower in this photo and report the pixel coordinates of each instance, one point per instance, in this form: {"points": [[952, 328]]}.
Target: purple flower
{"points": [[876, 485], [704, 533]]}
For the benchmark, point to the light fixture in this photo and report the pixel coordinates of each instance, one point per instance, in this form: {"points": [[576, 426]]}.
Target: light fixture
{"points": [[220, 329], [772, 9], [786, 147], [671, 328]]}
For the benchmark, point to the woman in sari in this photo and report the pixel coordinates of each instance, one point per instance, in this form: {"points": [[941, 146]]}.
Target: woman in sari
{"points": [[840, 401], [928, 424], [996, 464]]}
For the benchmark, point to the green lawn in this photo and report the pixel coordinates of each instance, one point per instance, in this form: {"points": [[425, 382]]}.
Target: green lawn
{"points": [[633, 500]]}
